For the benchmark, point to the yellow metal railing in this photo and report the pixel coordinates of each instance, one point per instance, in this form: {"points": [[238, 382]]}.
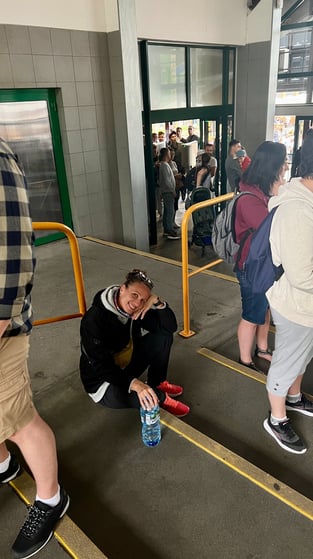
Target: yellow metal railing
{"points": [[77, 269], [186, 332]]}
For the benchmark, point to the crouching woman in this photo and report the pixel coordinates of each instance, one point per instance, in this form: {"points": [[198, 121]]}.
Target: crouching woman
{"points": [[127, 330]]}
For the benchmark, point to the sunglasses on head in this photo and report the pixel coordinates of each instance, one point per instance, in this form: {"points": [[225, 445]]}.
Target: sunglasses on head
{"points": [[138, 274]]}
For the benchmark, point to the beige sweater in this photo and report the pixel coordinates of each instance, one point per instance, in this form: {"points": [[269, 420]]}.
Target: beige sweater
{"points": [[292, 246]]}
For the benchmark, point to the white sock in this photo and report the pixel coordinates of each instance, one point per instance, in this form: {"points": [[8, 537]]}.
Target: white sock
{"points": [[53, 501], [293, 398], [276, 420], [5, 464]]}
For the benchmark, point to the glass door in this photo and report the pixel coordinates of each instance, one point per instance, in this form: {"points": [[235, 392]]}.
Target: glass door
{"points": [[302, 125], [26, 125], [212, 134]]}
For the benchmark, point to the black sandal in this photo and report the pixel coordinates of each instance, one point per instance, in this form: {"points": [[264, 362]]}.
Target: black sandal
{"points": [[261, 352], [250, 365]]}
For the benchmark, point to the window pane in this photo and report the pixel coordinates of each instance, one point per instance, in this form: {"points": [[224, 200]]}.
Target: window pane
{"points": [[298, 39], [295, 49], [304, 11], [26, 126], [206, 67], [167, 75], [292, 91]]}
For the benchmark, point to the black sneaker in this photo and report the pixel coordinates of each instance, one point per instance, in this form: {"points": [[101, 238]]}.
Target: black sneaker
{"points": [[38, 527], [285, 436], [12, 471], [304, 406], [173, 236]]}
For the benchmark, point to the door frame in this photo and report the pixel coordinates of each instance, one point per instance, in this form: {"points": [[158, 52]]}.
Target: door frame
{"points": [[223, 112], [49, 95], [296, 138]]}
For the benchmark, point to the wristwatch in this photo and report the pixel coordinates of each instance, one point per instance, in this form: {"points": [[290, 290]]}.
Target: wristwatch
{"points": [[158, 303]]}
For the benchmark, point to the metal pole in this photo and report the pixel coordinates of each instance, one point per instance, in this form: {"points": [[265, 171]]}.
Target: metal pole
{"points": [[187, 332]]}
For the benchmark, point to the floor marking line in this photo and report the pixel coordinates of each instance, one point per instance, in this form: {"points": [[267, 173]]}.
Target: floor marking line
{"points": [[65, 546], [229, 364], [159, 258], [255, 475], [237, 368]]}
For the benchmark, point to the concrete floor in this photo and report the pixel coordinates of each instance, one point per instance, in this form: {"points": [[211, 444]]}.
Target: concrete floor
{"points": [[173, 501]]}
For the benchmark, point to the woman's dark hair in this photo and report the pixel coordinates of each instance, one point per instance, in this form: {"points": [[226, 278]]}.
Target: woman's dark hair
{"points": [[140, 276], [205, 159], [306, 157], [265, 165]]}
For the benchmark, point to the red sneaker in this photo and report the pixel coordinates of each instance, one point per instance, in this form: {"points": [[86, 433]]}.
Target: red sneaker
{"points": [[171, 389], [174, 407]]}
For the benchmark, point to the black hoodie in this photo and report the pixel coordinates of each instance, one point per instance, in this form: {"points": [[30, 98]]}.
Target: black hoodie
{"points": [[105, 331]]}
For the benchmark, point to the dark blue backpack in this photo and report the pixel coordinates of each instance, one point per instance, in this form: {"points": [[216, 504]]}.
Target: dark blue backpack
{"points": [[260, 270]]}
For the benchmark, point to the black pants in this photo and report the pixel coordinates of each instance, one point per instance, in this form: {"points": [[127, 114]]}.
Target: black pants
{"points": [[151, 351]]}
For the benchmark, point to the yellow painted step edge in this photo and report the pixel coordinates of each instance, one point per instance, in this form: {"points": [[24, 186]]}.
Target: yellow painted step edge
{"points": [[68, 534], [255, 475]]}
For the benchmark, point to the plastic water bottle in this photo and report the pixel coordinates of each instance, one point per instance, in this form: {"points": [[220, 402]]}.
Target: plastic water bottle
{"points": [[151, 428]]}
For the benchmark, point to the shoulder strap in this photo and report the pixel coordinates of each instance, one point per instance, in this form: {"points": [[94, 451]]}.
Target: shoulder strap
{"points": [[233, 216], [247, 233]]}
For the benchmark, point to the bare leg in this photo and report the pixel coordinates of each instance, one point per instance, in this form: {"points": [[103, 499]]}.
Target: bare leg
{"points": [[278, 403], [37, 444], [246, 333], [262, 336], [296, 386], [4, 453]]}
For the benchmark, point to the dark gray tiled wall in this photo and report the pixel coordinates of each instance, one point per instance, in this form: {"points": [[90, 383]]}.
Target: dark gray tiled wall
{"points": [[77, 64]]}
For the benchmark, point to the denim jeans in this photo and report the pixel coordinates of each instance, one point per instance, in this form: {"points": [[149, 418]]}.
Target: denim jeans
{"points": [[168, 211]]}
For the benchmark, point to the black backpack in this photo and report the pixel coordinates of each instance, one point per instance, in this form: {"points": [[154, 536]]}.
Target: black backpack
{"points": [[190, 179]]}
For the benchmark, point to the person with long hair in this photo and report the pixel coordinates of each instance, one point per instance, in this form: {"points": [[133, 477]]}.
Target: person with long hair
{"points": [[203, 176], [291, 302], [261, 180]]}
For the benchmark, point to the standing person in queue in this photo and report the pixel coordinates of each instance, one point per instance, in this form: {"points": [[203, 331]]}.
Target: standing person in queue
{"points": [[262, 179], [209, 149], [168, 191], [291, 302], [127, 330], [20, 423], [232, 166], [179, 133], [192, 137]]}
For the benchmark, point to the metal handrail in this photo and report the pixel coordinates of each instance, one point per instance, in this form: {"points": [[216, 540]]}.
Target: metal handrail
{"points": [[77, 269], [186, 332]]}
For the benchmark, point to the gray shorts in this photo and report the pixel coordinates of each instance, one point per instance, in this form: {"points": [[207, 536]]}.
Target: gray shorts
{"points": [[293, 352]]}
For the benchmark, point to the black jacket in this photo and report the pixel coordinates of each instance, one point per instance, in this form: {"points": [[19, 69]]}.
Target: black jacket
{"points": [[103, 334]]}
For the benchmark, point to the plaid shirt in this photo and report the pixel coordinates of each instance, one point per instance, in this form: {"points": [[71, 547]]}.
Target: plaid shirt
{"points": [[17, 260]]}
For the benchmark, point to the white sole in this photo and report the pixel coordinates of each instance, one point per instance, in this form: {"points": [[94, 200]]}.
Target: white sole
{"points": [[50, 535], [304, 412], [13, 476], [270, 432]]}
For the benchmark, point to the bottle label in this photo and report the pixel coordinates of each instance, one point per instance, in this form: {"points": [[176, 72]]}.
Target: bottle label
{"points": [[151, 419]]}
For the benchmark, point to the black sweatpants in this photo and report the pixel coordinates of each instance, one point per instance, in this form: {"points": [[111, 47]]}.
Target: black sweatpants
{"points": [[151, 351]]}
